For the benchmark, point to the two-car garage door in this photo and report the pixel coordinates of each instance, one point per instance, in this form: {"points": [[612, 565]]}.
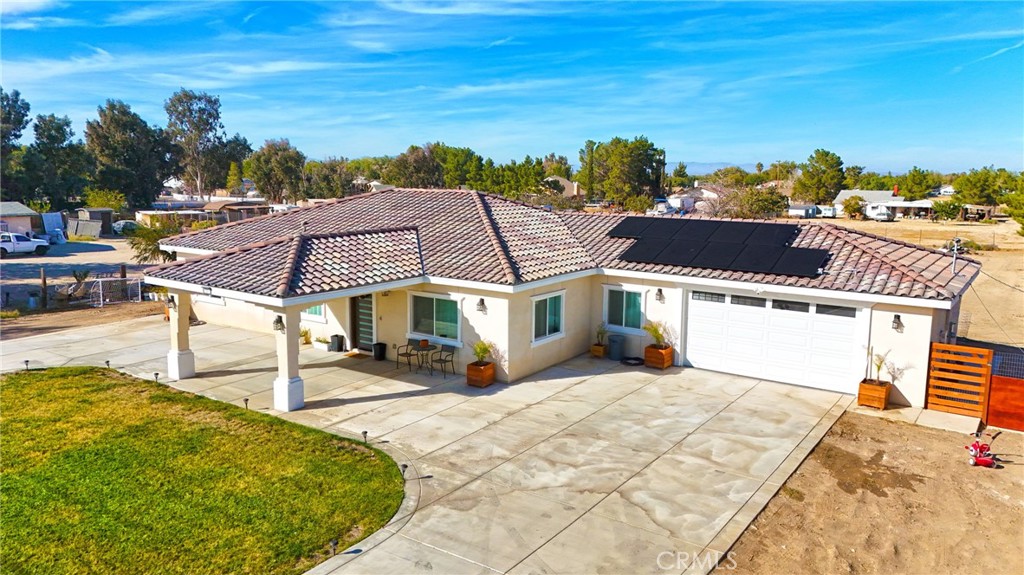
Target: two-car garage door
{"points": [[803, 343]]}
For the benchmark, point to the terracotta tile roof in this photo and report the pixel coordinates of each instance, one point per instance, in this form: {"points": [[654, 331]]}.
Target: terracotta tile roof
{"points": [[858, 262], [304, 264], [469, 235]]}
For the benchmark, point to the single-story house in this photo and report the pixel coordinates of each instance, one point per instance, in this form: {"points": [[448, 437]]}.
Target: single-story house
{"points": [[803, 211], [871, 197], [235, 210], [16, 217], [154, 218], [910, 209], [789, 302]]}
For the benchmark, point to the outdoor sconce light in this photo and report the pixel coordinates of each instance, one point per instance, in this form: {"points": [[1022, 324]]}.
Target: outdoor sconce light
{"points": [[481, 306], [207, 290], [279, 324], [660, 296], [171, 304], [897, 324], [385, 293]]}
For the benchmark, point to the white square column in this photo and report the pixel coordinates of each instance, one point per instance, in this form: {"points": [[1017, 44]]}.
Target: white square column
{"points": [[289, 393], [181, 362]]}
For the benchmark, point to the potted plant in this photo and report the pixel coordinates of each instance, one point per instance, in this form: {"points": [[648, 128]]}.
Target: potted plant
{"points": [[873, 392], [599, 350], [659, 354], [322, 343], [304, 336], [480, 373]]}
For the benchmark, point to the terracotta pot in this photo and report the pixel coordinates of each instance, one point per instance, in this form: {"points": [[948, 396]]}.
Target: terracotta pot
{"points": [[424, 342], [657, 357], [598, 350], [874, 393], [480, 374]]}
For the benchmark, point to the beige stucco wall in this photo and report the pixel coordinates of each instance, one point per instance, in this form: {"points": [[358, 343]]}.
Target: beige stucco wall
{"points": [[18, 224], [908, 348], [530, 357], [668, 312]]}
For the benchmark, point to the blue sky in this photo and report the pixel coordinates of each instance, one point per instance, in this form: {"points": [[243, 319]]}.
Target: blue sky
{"points": [[884, 85]]}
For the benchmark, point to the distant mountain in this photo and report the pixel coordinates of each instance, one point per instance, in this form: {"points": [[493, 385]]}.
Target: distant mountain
{"points": [[705, 168]]}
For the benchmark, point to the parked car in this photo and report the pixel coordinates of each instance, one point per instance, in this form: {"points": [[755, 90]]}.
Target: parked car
{"points": [[879, 213], [12, 243]]}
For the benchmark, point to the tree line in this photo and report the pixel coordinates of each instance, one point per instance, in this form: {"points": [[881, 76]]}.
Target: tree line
{"points": [[124, 159]]}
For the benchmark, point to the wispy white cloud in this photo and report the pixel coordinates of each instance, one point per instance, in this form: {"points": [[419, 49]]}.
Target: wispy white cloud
{"points": [[376, 46], [162, 13], [501, 42], [469, 90], [25, 6], [467, 8], [999, 52], [253, 14], [37, 22]]}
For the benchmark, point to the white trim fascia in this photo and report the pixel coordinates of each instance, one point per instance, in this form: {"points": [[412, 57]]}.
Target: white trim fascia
{"points": [[468, 284], [771, 289], [527, 286], [193, 251], [276, 302]]}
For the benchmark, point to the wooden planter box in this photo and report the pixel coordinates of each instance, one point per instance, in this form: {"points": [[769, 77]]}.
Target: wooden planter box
{"points": [[873, 393], [658, 358], [480, 374], [598, 350]]}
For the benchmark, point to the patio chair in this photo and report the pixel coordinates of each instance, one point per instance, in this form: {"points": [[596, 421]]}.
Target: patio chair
{"points": [[407, 351], [445, 356]]}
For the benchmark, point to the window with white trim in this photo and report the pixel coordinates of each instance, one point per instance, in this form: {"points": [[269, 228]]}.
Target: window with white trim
{"points": [[434, 317], [548, 316], [623, 308], [835, 310], [314, 313], [707, 296]]}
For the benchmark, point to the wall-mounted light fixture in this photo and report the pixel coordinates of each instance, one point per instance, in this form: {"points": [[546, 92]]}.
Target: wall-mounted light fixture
{"points": [[207, 290], [385, 293], [279, 324], [660, 296], [897, 324], [171, 303], [481, 306]]}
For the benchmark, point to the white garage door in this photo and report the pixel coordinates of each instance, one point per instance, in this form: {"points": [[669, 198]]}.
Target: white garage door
{"points": [[782, 340]]}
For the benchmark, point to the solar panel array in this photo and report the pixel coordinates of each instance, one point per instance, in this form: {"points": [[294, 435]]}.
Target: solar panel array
{"points": [[724, 245]]}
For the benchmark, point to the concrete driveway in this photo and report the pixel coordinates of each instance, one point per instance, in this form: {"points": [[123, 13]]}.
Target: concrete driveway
{"points": [[587, 467]]}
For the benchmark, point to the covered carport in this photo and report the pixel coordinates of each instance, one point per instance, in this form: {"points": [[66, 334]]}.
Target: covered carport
{"points": [[285, 276]]}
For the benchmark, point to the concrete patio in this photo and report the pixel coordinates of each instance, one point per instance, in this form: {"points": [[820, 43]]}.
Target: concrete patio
{"points": [[587, 467]]}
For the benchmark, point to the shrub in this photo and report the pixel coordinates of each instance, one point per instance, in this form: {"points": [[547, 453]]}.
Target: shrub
{"points": [[656, 330], [482, 349], [10, 314]]}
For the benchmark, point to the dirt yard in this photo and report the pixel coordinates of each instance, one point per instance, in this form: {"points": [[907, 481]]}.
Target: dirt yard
{"points": [[40, 323], [878, 496]]}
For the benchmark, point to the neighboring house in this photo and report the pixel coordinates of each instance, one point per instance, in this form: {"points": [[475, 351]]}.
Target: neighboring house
{"points": [[570, 189], [915, 209], [871, 198], [802, 211], [460, 266], [16, 217], [236, 210]]}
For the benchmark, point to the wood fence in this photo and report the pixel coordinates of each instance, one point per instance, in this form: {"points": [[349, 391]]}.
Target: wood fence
{"points": [[959, 379]]}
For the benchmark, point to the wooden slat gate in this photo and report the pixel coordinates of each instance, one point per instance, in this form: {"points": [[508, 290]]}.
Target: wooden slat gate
{"points": [[959, 379]]}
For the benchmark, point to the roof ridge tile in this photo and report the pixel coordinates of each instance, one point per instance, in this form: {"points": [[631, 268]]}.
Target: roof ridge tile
{"points": [[492, 235]]}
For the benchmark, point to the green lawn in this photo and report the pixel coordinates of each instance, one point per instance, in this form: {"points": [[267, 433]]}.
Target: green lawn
{"points": [[105, 473]]}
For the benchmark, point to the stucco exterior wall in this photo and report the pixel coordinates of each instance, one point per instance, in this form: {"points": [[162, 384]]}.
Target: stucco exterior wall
{"points": [[908, 348], [668, 312], [530, 357], [18, 224]]}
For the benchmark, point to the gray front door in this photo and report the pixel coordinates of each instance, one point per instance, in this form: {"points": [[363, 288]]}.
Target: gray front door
{"points": [[362, 331]]}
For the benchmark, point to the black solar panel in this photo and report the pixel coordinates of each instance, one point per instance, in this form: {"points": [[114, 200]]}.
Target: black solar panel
{"points": [[714, 244], [733, 232], [717, 255], [664, 228], [757, 258], [800, 262], [630, 227], [678, 253], [697, 230], [773, 234], [644, 250]]}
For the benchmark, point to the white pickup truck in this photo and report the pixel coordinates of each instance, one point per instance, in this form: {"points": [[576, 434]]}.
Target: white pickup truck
{"points": [[12, 243]]}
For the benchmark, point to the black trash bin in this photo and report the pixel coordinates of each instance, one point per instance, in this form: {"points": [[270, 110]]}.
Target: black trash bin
{"points": [[616, 347], [337, 343], [380, 351]]}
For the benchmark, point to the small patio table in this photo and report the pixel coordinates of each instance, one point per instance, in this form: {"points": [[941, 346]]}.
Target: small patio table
{"points": [[424, 357]]}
